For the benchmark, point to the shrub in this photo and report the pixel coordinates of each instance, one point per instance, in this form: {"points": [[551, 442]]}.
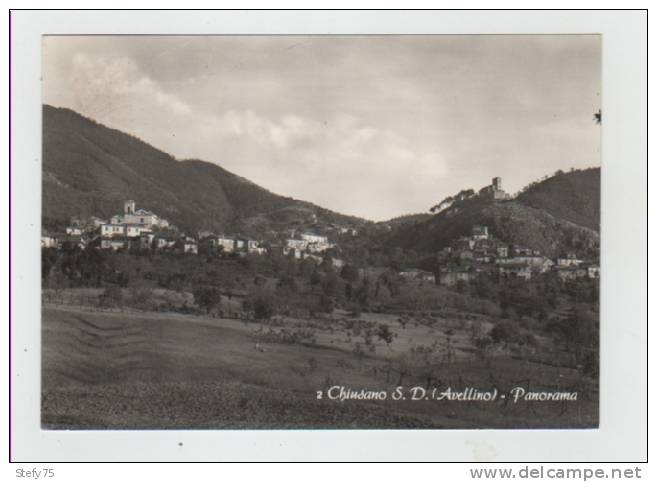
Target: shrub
{"points": [[385, 334], [263, 308], [111, 296], [140, 297], [207, 297], [501, 332]]}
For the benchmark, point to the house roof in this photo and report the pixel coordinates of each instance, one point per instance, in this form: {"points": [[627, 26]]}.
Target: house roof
{"points": [[144, 212], [135, 225], [115, 238], [570, 268], [514, 265]]}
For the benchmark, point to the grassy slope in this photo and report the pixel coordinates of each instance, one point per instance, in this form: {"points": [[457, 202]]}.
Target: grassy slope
{"points": [[90, 170], [147, 370], [510, 221], [573, 196]]}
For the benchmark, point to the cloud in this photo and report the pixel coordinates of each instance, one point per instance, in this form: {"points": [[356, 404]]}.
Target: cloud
{"points": [[114, 89], [341, 162], [372, 125]]}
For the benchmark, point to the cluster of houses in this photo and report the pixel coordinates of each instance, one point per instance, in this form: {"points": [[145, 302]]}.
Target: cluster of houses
{"points": [[469, 256], [142, 229], [418, 275], [134, 228], [228, 243], [306, 243], [481, 252]]}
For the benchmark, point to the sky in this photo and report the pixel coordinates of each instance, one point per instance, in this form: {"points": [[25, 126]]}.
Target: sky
{"points": [[372, 126]]}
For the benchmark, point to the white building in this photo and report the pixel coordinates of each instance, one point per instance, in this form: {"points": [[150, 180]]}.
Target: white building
{"points": [[138, 216], [295, 252], [569, 260], [479, 232], [593, 271], [316, 243], [313, 257], [190, 246], [418, 274], [146, 240], [536, 263], [252, 246], [111, 230], [314, 238], [296, 243], [162, 242], [95, 222], [337, 263], [48, 241], [114, 243], [136, 230], [226, 242]]}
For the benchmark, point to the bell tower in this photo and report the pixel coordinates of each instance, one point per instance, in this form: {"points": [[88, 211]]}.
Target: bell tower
{"points": [[129, 207]]}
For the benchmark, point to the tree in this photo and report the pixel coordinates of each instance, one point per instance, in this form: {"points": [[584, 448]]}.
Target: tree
{"points": [[580, 333], [461, 286], [112, 296], [484, 287], [140, 297], [315, 279], [384, 333], [425, 359], [331, 284], [263, 308], [262, 302], [287, 284], [501, 332], [349, 273], [325, 304], [348, 291], [207, 297]]}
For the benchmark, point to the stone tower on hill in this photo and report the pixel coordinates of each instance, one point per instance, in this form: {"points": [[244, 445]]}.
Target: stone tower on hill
{"points": [[494, 191]]}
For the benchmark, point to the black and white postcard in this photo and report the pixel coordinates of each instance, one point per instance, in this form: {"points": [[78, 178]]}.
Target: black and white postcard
{"points": [[251, 232], [321, 231]]}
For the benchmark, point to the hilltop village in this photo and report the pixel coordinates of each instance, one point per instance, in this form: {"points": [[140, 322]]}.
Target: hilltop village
{"points": [[462, 261], [140, 229], [470, 256]]}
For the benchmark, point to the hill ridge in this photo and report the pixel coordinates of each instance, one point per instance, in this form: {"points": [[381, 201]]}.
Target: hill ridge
{"points": [[90, 169]]}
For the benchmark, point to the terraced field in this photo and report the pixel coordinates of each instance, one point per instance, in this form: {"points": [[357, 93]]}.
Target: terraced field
{"points": [[154, 370]]}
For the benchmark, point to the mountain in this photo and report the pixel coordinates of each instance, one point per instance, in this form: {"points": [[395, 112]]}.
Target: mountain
{"points": [[573, 196], [405, 220], [90, 169], [557, 215]]}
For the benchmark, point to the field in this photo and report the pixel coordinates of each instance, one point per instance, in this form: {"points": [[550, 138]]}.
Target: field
{"points": [[142, 370]]}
